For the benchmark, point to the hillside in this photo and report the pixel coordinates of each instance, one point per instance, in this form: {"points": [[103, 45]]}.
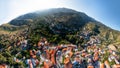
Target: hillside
{"points": [[58, 24]]}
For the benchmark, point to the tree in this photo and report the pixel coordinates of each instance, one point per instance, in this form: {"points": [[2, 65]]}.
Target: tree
{"points": [[2, 59]]}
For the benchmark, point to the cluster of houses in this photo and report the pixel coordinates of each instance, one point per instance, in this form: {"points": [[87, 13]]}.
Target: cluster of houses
{"points": [[47, 55], [72, 56]]}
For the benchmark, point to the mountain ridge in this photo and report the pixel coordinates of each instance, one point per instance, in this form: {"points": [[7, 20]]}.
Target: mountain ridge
{"points": [[59, 21]]}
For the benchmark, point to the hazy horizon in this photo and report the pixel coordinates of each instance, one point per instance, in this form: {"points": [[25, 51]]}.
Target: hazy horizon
{"points": [[104, 11]]}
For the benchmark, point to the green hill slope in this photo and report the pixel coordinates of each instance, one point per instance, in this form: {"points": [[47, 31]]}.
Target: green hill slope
{"points": [[60, 24]]}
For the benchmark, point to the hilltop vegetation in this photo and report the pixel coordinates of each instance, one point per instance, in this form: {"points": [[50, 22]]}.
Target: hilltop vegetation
{"points": [[58, 25]]}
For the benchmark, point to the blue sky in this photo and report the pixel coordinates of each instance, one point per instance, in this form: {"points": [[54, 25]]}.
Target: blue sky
{"points": [[105, 11]]}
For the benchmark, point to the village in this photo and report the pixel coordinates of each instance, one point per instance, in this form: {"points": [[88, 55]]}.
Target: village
{"points": [[46, 55]]}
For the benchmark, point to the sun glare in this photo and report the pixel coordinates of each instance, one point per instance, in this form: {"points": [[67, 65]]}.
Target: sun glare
{"points": [[42, 4], [20, 7], [24, 6]]}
